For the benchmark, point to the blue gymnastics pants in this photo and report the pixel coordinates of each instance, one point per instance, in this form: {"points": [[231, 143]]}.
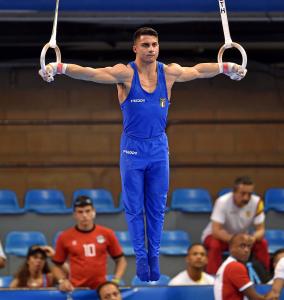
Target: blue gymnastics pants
{"points": [[144, 169]]}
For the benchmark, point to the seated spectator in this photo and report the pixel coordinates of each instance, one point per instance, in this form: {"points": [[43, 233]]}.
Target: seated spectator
{"points": [[86, 247], [278, 279], [194, 274], [274, 260], [109, 291], [35, 272], [233, 213], [232, 279], [2, 257]]}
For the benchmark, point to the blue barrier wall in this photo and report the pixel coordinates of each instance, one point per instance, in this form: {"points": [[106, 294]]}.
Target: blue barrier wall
{"points": [[145, 5], [141, 293]]}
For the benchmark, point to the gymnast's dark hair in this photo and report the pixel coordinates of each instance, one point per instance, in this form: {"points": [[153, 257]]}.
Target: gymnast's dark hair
{"points": [[144, 31]]}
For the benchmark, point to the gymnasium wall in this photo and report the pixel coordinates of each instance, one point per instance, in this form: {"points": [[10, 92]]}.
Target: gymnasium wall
{"points": [[218, 129]]}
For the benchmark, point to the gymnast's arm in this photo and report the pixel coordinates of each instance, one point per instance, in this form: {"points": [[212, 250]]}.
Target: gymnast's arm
{"points": [[111, 75], [177, 73]]}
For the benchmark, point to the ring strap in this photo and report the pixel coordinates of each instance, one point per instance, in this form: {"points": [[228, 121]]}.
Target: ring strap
{"points": [[225, 23], [52, 42]]}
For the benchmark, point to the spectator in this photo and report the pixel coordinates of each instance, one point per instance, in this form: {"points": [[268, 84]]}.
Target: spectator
{"points": [[232, 280], [236, 212], [278, 279], [109, 291], [35, 272], [86, 247], [196, 261], [2, 257]]}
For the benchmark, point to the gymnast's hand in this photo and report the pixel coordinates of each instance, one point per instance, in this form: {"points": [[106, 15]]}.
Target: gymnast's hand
{"points": [[234, 71], [49, 73]]}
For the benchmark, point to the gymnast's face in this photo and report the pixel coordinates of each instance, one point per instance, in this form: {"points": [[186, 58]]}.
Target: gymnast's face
{"points": [[146, 48]]}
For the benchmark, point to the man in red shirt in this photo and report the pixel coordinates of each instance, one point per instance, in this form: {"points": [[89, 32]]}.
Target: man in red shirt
{"points": [[232, 280], [86, 247]]}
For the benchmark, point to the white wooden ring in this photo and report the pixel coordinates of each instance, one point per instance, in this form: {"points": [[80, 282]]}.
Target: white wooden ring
{"points": [[233, 45], [43, 53]]}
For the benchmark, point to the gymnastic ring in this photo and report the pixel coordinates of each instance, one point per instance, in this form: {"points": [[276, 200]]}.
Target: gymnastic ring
{"points": [[233, 45], [43, 53]]}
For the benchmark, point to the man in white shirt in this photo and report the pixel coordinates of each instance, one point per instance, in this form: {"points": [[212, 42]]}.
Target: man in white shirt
{"points": [[233, 213], [278, 279], [196, 261], [2, 257]]}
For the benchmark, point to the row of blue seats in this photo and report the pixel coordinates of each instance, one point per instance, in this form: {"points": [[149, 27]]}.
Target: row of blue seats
{"points": [[51, 201], [173, 242], [199, 200]]}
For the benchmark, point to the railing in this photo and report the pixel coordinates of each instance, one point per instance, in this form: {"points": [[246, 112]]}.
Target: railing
{"points": [[137, 293], [145, 5]]}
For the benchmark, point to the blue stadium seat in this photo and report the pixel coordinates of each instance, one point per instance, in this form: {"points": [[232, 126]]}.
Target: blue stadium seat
{"points": [[5, 281], [275, 239], [102, 200], [46, 201], [111, 276], [175, 242], [125, 242], [18, 242], [274, 199], [9, 203], [191, 200], [164, 280], [224, 191]]}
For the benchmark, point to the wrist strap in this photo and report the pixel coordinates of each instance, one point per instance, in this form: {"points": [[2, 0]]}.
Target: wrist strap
{"points": [[225, 68], [220, 64], [61, 68]]}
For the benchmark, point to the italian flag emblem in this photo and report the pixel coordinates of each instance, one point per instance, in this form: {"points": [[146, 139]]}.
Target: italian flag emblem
{"points": [[163, 102]]}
